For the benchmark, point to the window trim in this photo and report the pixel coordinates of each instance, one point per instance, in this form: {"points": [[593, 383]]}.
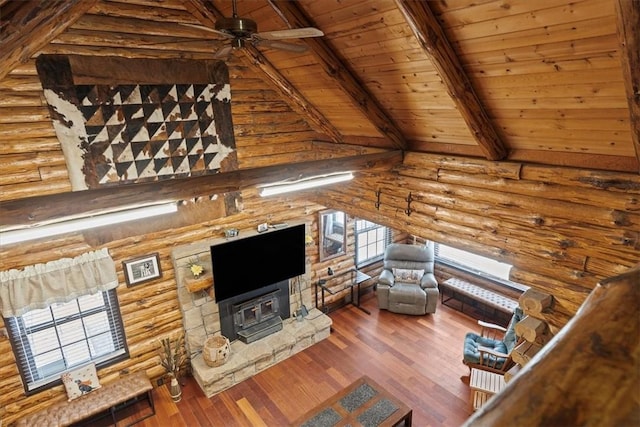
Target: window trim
{"points": [[22, 352]]}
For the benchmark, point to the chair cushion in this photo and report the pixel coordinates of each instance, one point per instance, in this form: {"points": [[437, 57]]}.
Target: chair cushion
{"points": [[471, 355], [510, 337], [408, 275], [406, 293]]}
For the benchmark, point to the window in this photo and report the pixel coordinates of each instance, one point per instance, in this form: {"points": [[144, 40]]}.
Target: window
{"points": [[52, 340], [476, 264], [371, 241]]}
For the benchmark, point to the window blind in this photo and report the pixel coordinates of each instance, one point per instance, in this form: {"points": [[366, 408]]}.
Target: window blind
{"points": [[50, 341]]}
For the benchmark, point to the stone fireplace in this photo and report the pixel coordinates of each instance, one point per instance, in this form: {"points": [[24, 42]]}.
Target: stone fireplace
{"points": [[258, 323]]}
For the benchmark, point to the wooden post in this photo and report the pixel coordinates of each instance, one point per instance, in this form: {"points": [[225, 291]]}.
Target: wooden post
{"points": [[534, 302], [512, 372], [531, 329], [524, 352]]}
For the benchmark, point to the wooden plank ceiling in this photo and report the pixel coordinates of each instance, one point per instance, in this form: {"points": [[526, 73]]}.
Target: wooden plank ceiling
{"points": [[549, 81]]}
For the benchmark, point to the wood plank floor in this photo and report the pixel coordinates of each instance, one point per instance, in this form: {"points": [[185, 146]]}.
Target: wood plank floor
{"points": [[416, 358]]}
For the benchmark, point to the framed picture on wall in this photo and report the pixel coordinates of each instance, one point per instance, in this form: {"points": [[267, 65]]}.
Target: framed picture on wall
{"points": [[142, 269]]}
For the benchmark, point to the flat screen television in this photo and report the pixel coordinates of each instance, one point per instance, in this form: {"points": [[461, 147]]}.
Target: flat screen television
{"points": [[246, 264]]}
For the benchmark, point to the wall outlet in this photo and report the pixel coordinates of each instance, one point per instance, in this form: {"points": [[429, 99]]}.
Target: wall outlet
{"points": [[263, 227]]}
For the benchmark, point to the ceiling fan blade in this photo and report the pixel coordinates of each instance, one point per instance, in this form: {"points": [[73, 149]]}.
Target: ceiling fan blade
{"points": [[211, 30], [295, 33], [223, 53], [275, 44]]}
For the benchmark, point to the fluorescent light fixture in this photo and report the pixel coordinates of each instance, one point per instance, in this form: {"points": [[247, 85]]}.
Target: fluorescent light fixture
{"points": [[304, 184], [79, 224]]}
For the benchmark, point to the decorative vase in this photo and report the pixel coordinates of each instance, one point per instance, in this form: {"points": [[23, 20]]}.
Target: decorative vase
{"points": [[216, 350], [175, 390]]}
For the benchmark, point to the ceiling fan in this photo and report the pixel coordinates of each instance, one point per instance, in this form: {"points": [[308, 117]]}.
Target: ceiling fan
{"points": [[240, 31]]}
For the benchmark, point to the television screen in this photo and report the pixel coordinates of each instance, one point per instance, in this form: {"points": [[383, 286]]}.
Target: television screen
{"points": [[250, 263]]}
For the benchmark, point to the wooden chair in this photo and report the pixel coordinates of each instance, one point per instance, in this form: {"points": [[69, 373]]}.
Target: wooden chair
{"points": [[491, 349]]}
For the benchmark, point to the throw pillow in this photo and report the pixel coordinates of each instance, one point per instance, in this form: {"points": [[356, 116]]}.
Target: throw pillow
{"points": [[406, 275], [80, 381]]}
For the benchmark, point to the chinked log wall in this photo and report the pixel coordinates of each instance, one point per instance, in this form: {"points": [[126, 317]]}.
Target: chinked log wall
{"points": [[563, 229]]}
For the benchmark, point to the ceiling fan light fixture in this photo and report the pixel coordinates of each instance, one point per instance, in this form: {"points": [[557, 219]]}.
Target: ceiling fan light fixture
{"points": [[242, 32], [239, 27]]}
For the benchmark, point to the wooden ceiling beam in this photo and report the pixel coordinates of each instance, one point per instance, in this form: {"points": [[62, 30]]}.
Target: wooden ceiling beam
{"points": [[207, 14], [32, 25], [41, 209], [336, 68], [433, 40], [628, 27]]}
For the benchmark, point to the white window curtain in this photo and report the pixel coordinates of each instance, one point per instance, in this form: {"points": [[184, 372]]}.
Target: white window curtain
{"points": [[41, 285]]}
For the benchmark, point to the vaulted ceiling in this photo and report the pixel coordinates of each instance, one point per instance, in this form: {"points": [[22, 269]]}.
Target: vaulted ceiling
{"points": [[549, 81]]}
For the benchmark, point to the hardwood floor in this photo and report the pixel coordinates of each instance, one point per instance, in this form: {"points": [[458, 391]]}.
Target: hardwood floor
{"points": [[416, 358]]}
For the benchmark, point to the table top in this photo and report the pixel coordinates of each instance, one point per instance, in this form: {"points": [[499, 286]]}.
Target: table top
{"points": [[356, 279], [485, 381], [362, 403], [361, 277]]}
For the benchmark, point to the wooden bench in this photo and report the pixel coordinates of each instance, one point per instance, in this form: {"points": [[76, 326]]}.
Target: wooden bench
{"points": [[460, 290], [107, 400]]}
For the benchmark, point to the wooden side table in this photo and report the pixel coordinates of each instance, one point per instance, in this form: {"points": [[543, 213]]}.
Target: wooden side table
{"points": [[484, 384]]}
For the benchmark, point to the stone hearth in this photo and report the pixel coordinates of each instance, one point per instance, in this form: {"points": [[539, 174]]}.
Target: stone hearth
{"points": [[247, 360]]}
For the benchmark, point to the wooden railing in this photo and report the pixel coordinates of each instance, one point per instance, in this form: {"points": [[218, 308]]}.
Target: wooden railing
{"points": [[588, 374]]}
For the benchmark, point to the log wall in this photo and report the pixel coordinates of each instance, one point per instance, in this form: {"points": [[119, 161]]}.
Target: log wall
{"points": [[562, 229], [149, 310], [267, 132]]}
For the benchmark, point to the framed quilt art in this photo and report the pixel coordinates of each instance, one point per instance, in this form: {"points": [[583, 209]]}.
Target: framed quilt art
{"points": [[125, 120]]}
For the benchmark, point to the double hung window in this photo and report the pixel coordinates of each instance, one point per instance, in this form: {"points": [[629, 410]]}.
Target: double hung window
{"points": [[371, 241], [52, 340]]}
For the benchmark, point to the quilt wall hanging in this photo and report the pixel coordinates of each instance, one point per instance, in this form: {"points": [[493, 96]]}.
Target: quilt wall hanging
{"points": [[125, 120]]}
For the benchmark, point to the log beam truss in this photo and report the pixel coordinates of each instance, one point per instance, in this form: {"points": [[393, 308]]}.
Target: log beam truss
{"points": [[32, 25], [40, 209], [336, 68], [433, 40]]}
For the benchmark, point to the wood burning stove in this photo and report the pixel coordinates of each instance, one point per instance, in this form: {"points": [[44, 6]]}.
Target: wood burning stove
{"points": [[256, 314], [257, 317]]}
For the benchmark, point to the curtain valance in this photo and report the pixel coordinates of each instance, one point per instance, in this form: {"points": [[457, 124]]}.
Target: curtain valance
{"points": [[41, 285]]}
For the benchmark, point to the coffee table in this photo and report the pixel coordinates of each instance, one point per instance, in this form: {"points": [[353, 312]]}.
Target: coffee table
{"points": [[362, 404]]}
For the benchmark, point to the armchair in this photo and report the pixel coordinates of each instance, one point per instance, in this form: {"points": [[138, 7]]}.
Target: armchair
{"points": [[491, 349], [407, 284]]}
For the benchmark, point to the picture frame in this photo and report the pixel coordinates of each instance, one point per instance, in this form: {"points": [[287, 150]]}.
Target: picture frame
{"points": [[142, 269]]}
